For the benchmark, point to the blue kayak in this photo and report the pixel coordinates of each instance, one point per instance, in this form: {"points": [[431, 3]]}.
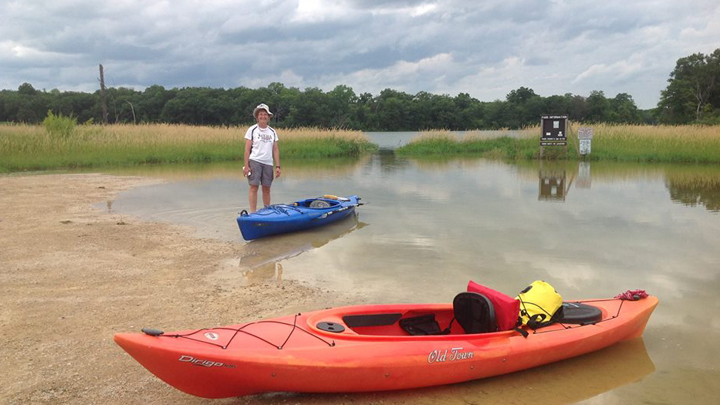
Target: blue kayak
{"points": [[300, 215]]}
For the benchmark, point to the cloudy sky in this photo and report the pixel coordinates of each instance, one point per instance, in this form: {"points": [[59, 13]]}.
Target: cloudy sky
{"points": [[485, 48]]}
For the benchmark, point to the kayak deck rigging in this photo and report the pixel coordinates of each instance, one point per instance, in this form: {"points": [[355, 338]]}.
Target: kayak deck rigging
{"points": [[378, 325]]}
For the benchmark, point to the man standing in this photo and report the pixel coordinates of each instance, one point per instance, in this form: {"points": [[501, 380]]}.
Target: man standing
{"points": [[261, 150]]}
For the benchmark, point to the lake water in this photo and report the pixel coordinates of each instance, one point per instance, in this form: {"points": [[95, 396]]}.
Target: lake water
{"points": [[590, 229]]}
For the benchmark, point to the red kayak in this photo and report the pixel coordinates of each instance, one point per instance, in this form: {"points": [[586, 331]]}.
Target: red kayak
{"points": [[373, 348]]}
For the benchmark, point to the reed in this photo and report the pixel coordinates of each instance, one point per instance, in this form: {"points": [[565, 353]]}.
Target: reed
{"points": [[500, 144], [644, 143], [632, 143], [28, 147]]}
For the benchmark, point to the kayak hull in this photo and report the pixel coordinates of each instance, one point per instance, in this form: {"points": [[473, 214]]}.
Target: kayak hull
{"points": [[295, 353], [298, 216]]}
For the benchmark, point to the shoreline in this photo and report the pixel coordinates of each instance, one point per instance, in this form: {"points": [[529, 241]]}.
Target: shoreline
{"points": [[72, 275]]}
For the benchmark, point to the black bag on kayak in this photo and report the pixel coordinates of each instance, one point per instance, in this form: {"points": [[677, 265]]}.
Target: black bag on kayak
{"points": [[421, 325]]}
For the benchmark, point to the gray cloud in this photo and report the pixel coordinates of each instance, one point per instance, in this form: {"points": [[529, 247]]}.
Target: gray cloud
{"points": [[444, 47]]}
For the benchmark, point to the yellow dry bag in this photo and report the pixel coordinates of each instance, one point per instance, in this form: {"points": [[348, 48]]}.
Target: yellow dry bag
{"points": [[540, 305]]}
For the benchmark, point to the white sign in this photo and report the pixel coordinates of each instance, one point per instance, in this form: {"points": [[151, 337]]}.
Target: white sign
{"points": [[585, 133], [585, 146]]}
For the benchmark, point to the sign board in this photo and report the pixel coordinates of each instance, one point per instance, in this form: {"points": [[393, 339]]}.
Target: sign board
{"points": [[585, 146], [585, 133], [554, 130]]}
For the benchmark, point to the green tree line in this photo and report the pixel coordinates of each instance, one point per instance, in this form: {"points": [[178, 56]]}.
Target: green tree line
{"points": [[692, 96], [341, 107]]}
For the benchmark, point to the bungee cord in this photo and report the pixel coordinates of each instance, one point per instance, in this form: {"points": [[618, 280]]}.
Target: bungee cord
{"points": [[190, 336]]}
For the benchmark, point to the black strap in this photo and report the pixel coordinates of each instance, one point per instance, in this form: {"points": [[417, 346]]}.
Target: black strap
{"points": [[521, 331], [536, 321], [518, 327], [446, 331]]}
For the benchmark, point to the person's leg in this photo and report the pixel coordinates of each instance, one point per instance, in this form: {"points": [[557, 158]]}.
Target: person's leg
{"points": [[254, 180], [253, 198], [266, 181], [265, 195]]}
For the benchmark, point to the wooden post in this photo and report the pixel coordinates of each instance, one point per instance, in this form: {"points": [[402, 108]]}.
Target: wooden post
{"points": [[133, 111], [102, 96]]}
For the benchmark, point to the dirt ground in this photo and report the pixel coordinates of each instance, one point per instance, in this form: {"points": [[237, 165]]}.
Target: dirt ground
{"points": [[73, 273]]}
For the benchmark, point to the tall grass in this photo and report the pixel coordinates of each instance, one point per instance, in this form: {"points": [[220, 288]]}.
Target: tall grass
{"points": [[26, 147], [644, 143], [515, 145], [632, 143]]}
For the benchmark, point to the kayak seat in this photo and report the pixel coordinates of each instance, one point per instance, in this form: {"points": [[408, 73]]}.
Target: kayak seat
{"points": [[319, 204], [474, 312], [506, 307]]}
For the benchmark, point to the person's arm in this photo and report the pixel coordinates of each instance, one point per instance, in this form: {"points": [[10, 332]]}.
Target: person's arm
{"points": [[246, 165], [276, 158]]}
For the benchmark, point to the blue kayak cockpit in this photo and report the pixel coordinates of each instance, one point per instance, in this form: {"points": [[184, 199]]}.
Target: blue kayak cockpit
{"points": [[317, 203]]}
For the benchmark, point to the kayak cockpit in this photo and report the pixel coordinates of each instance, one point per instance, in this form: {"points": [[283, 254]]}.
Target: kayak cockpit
{"points": [[413, 322], [390, 320], [465, 316], [470, 313], [317, 203]]}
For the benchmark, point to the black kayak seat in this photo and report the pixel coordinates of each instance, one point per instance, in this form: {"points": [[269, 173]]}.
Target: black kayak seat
{"points": [[474, 312], [577, 313]]}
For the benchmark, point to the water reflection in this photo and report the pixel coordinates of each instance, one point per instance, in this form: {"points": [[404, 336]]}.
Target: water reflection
{"points": [[695, 189], [263, 257], [565, 382], [552, 185], [553, 180], [584, 180], [590, 377], [387, 164]]}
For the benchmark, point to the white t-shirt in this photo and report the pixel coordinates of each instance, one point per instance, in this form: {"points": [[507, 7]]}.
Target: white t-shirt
{"points": [[262, 146]]}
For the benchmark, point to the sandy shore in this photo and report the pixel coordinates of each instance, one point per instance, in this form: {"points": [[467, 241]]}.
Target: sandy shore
{"points": [[73, 273]]}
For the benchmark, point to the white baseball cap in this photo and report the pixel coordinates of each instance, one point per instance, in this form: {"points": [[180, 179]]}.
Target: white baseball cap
{"points": [[261, 106]]}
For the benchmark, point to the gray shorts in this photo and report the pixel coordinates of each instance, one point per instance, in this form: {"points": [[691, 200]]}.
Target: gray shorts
{"points": [[260, 173]]}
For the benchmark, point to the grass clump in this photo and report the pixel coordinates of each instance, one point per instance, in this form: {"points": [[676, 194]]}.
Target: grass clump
{"points": [[32, 147], [515, 145], [322, 143], [59, 126]]}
